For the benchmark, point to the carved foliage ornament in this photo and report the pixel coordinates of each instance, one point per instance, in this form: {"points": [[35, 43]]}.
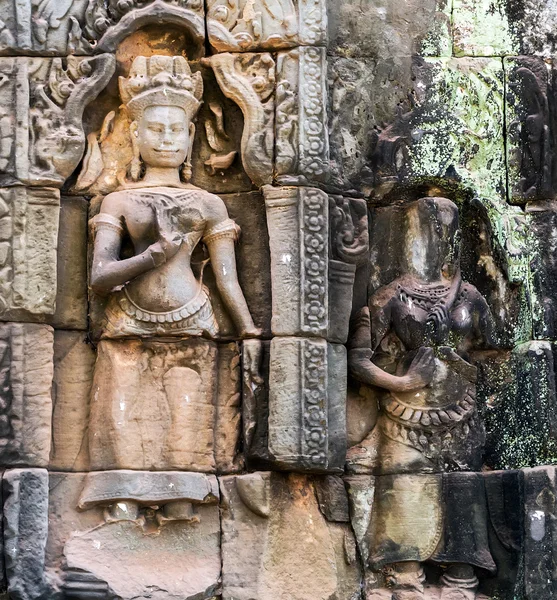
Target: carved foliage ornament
{"points": [[302, 147], [245, 25], [249, 80]]}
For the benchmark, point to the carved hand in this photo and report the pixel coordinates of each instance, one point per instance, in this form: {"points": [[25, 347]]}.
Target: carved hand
{"points": [[168, 242], [421, 370], [252, 354]]}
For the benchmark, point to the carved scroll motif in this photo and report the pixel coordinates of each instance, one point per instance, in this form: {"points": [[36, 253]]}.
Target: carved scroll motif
{"points": [[249, 80], [46, 98], [106, 25], [265, 24], [302, 146], [62, 27], [298, 230], [307, 390]]}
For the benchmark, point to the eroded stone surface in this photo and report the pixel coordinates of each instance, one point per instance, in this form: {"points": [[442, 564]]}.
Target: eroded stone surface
{"points": [[381, 29], [25, 521], [74, 359], [176, 556], [28, 252], [26, 371], [264, 555]]}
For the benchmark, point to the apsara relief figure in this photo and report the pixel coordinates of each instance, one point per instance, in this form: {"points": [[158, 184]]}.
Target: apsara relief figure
{"points": [[152, 403], [412, 342]]}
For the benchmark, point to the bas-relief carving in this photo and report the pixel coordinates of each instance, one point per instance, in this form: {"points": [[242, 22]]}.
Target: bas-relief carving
{"points": [[62, 27], [42, 132], [244, 25], [165, 397], [412, 343], [301, 135], [249, 80], [26, 371]]}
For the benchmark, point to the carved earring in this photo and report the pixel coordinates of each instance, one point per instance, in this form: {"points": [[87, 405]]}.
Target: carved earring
{"points": [[135, 167], [186, 167]]}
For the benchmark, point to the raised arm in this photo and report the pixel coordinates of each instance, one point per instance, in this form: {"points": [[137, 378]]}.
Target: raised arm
{"points": [[108, 270], [369, 332]]}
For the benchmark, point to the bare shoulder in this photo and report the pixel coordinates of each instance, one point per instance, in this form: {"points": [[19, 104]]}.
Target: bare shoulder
{"points": [[384, 295], [471, 294], [114, 203], [214, 209]]}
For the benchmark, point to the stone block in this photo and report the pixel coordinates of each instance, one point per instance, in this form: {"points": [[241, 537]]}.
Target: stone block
{"points": [[262, 25], [79, 27], [487, 28], [301, 122], [42, 101], [177, 555], [306, 427], [264, 555], [29, 233], [298, 222], [516, 393], [26, 405], [71, 290], [74, 360], [188, 395], [444, 137], [380, 29], [539, 532], [25, 519]]}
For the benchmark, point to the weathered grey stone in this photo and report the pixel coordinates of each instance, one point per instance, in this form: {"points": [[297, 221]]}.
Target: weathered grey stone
{"points": [[355, 112], [381, 29], [56, 28], [539, 532], [333, 499], [29, 234], [43, 103], [444, 136], [26, 369], [542, 222], [529, 123], [74, 359], [301, 123], [263, 25], [265, 556], [307, 391], [25, 494], [496, 258]]}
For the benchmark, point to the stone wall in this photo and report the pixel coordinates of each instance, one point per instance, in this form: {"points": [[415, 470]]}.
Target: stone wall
{"points": [[358, 402]]}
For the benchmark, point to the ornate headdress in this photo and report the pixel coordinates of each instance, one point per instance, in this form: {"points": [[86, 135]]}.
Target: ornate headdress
{"points": [[161, 81]]}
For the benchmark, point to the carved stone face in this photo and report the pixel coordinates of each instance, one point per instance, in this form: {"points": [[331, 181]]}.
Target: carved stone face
{"points": [[163, 136]]}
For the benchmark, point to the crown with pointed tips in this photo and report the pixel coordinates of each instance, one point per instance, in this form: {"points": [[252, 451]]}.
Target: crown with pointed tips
{"points": [[161, 81]]}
